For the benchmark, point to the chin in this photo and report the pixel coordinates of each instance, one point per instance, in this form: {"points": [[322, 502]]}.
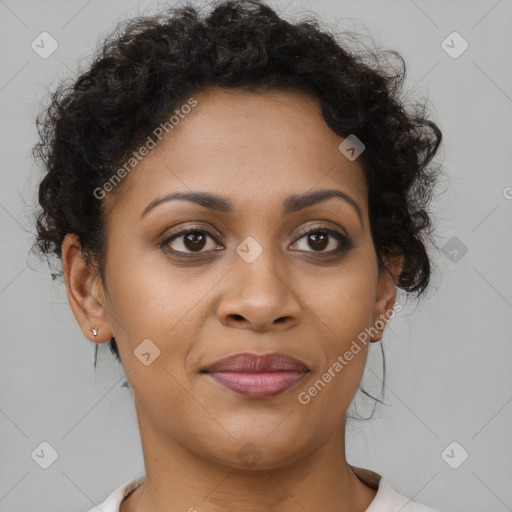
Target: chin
{"points": [[260, 450]]}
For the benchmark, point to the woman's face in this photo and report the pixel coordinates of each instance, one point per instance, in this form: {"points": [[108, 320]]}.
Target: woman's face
{"points": [[250, 281]]}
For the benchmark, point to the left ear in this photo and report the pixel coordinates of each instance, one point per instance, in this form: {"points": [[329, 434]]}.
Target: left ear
{"points": [[386, 294]]}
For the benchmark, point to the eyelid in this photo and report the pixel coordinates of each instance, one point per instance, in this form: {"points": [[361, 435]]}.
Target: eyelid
{"points": [[324, 225], [181, 230]]}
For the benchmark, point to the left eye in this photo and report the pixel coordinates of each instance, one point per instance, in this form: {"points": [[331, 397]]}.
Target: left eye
{"points": [[318, 239]]}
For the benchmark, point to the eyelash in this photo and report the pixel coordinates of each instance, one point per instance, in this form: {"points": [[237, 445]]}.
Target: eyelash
{"points": [[344, 242]]}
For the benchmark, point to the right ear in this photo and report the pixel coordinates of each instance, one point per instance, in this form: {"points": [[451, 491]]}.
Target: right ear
{"points": [[85, 291]]}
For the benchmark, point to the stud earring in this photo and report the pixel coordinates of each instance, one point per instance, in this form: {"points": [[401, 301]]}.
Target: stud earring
{"points": [[94, 332]]}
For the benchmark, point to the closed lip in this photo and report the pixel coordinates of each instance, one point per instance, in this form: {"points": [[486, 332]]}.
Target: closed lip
{"points": [[257, 363]]}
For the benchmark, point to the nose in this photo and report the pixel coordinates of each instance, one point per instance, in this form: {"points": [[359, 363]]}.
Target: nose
{"points": [[259, 298]]}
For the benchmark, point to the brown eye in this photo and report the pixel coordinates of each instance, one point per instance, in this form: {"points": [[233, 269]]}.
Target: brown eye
{"points": [[321, 238], [318, 240], [188, 241], [194, 241]]}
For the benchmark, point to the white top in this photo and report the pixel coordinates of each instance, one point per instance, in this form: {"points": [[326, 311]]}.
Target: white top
{"points": [[386, 499]]}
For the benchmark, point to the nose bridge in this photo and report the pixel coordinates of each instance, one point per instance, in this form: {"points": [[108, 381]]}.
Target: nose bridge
{"points": [[262, 276], [258, 272], [259, 293]]}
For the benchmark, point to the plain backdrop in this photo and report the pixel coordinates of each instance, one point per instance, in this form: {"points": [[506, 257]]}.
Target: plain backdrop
{"points": [[448, 381]]}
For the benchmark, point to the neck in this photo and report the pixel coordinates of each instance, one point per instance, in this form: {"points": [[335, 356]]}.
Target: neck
{"points": [[177, 479]]}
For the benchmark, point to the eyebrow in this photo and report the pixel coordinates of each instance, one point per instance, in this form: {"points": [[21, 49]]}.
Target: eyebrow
{"points": [[291, 204]]}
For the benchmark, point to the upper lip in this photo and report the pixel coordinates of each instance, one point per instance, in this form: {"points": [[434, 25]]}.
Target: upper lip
{"points": [[254, 363]]}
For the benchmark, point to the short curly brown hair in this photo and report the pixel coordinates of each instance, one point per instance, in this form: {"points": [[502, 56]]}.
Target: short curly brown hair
{"points": [[149, 65]]}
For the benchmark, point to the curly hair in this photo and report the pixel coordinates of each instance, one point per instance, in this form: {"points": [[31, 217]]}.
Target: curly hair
{"points": [[148, 66]]}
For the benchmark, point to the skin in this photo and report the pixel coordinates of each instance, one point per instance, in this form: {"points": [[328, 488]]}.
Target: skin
{"points": [[255, 150]]}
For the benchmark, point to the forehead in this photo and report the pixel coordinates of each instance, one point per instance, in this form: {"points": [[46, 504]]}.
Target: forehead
{"points": [[244, 145]]}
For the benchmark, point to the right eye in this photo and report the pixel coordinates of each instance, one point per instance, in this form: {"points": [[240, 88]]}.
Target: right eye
{"points": [[193, 240]]}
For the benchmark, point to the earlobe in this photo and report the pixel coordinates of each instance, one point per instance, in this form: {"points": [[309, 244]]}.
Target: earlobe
{"points": [[85, 291], [386, 294]]}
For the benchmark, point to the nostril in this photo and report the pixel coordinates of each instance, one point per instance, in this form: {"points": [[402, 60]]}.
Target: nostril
{"points": [[238, 317]]}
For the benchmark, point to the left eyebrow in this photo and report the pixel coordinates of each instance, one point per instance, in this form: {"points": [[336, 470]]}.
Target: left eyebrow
{"points": [[291, 204], [301, 201]]}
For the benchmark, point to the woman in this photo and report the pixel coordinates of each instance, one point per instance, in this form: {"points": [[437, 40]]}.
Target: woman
{"points": [[235, 200]]}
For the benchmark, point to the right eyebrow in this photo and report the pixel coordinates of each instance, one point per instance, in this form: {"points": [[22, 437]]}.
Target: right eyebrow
{"points": [[210, 201]]}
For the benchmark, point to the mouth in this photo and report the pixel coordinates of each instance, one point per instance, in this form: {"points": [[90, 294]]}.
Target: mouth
{"points": [[257, 376]]}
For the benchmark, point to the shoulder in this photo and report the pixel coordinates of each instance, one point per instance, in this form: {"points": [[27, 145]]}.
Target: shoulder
{"points": [[113, 501], [387, 499], [390, 501]]}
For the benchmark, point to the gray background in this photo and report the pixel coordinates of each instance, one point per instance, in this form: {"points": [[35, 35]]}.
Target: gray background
{"points": [[448, 359]]}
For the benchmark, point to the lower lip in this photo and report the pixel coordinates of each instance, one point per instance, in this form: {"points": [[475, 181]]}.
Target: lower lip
{"points": [[258, 385]]}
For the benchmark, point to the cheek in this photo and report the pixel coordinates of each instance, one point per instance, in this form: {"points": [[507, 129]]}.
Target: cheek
{"points": [[146, 290], [148, 299], [343, 301], [343, 310]]}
